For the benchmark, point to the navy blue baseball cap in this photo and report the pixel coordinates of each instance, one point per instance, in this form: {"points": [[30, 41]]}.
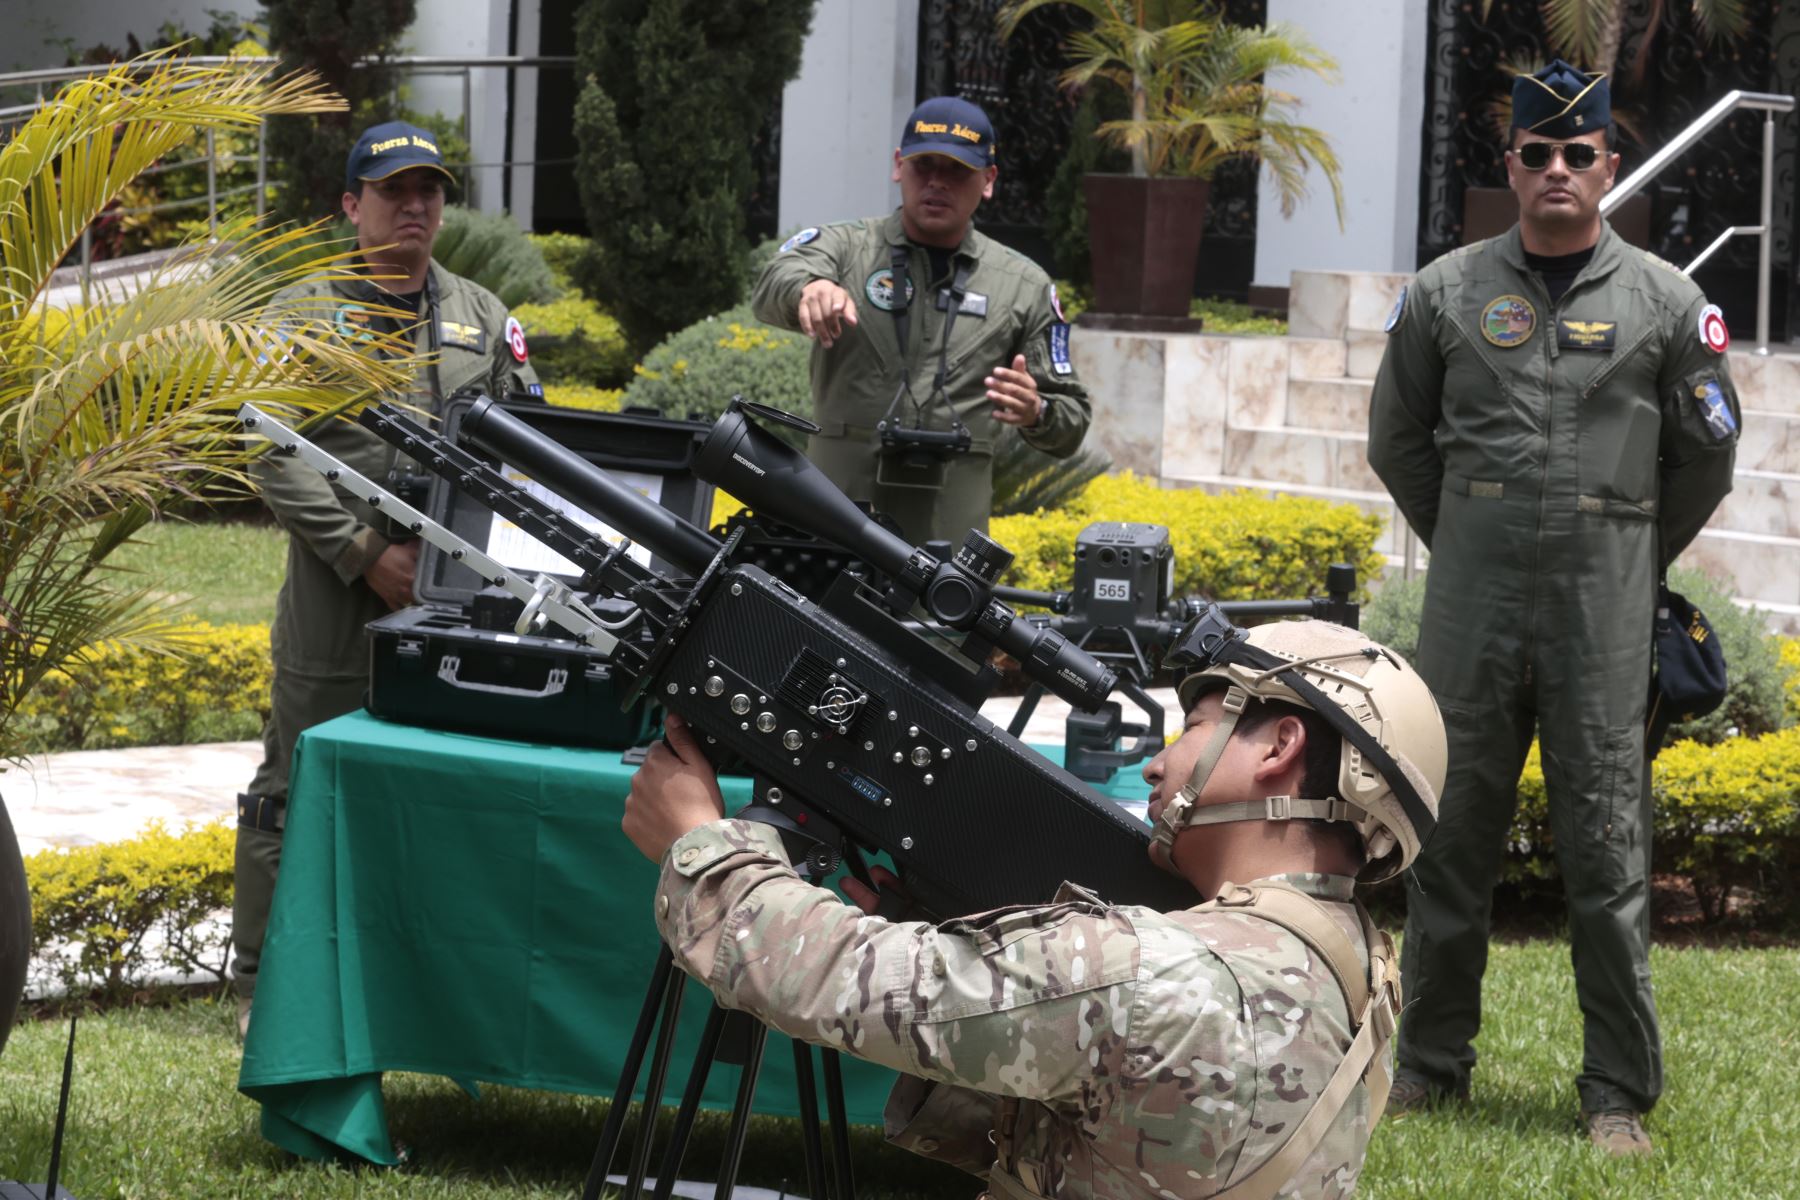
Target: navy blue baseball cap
{"points": [[950, 126], [1561, 101], [383, 150]]}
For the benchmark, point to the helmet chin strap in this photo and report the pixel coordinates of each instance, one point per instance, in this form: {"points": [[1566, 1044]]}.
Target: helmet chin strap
{"points": [[1184, 811], [1177, 813]]}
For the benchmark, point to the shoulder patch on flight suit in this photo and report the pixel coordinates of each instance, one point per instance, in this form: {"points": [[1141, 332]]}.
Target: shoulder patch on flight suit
{"points": [[1713, 334], [1059, 348], [799, 239], [463, 337], [1397, 313], [1709, 397], [515, 339]]}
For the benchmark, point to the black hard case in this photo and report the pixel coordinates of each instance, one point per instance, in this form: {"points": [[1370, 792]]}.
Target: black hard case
{"points": [[430, 665]]}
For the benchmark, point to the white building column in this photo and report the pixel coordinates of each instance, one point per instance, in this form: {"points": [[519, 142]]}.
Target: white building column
{"points": [[468, 29], [841, 116], [1374, 117]]}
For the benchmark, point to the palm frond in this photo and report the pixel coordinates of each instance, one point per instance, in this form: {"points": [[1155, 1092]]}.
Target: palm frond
{"points": [[1721, 21], [1577, 27], [78, 152]]}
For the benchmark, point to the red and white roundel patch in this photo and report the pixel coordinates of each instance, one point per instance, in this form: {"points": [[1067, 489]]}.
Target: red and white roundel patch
{"points": [[1713, 334], [515, 338]]}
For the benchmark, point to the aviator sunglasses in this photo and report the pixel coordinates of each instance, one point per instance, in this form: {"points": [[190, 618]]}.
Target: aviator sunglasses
{"points": [[1577, 156]]}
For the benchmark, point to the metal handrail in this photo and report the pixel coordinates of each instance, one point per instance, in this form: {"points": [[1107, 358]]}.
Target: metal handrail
{"points": [[411, 64], [1769, 103]]}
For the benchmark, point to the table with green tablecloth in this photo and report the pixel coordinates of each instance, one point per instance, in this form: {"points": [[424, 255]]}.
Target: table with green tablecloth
{"points": [[467, 907]]}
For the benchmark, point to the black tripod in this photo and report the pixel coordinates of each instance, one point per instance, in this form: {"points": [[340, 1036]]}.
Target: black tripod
{"points": [[732, 1037]]}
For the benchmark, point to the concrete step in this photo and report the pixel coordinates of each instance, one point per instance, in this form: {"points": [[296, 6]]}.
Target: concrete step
{"points": [[1316, 358], [1339, 404], [1761, 502], [1768, 383], [1362, 353], [1317, 457], [1770, 442], [1763, 569]]}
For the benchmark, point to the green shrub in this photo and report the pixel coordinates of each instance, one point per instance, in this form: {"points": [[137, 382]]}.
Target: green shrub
{"points": [[697, 371], [674, 96], [1027, 480], [561, 251], [491, 249], [1232, 317], [124, 696], [1238, 546], [573, 341], [107, 916], [1392, 615]]}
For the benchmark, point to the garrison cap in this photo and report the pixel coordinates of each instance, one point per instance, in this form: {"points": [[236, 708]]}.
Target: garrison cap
{"points": [[951, 126], [1561, 101], [395, 146]]}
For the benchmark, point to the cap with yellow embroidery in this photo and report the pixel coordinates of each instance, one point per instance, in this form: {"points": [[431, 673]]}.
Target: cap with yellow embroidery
{"points": [[951, 126], [394, 146], [1561, 101]]}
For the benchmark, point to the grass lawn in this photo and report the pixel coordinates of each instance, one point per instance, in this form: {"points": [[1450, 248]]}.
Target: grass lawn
{"points": [[227, 573], [156, 1114]]}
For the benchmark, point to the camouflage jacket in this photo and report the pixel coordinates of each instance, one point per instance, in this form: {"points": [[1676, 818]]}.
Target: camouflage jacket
{"points": [[1156, 1054]]}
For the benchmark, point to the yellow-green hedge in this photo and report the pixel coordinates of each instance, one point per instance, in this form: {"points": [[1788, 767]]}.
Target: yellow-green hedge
{"points": [[108, 916], [1725, 815], [130, 697], [1237, 546], [592, 399]]}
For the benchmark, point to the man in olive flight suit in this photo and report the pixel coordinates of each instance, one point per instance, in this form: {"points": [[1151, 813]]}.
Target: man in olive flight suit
{"points": [[888, 359], [346, 565], [1085, 1051], [1555, 418]]}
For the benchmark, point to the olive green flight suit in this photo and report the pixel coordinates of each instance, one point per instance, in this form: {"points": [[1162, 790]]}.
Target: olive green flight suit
{"points": [[320, 654], [1555, 458], [1008, 311]]}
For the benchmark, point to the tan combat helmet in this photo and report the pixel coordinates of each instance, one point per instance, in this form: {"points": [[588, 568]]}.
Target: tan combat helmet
{"points": [[1394, 752]]}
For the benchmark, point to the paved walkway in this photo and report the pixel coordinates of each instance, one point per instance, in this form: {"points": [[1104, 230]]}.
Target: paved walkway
{"points": [[91, 796]]}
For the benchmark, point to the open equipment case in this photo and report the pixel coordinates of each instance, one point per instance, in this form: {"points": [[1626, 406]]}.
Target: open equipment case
{"points": [[455, 662]]}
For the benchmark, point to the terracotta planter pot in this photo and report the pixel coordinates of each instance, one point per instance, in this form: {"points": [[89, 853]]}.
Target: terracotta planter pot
{"points": [[15, 926], [1144, 235]]}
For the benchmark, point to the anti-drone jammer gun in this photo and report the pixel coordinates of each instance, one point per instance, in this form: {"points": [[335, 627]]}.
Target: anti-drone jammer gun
{"points": [[858, 731]]}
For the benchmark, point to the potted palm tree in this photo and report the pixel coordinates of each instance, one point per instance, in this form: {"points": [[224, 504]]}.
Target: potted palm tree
{"points": [[1200, 97], [111, 409]]}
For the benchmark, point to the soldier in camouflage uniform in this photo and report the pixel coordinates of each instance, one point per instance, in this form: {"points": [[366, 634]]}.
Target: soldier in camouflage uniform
{"points": [[1082, 1050], [884, 352], [346, 565]]}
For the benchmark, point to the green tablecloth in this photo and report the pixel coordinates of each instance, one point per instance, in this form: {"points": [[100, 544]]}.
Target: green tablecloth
{"points": [[467, 907]]}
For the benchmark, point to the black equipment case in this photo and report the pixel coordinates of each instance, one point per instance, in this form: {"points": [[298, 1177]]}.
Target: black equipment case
{"points": [[454, 661]]}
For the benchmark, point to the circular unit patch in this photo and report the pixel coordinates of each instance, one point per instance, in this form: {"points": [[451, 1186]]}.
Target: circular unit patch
{"points": [[1713, 334], [1507, 321], [1399, 310], [515, 338], [800, 239], [880, 289]]}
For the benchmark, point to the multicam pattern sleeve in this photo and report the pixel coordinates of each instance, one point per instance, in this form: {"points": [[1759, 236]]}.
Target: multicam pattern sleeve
{"points": [[1028, 1002]]}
